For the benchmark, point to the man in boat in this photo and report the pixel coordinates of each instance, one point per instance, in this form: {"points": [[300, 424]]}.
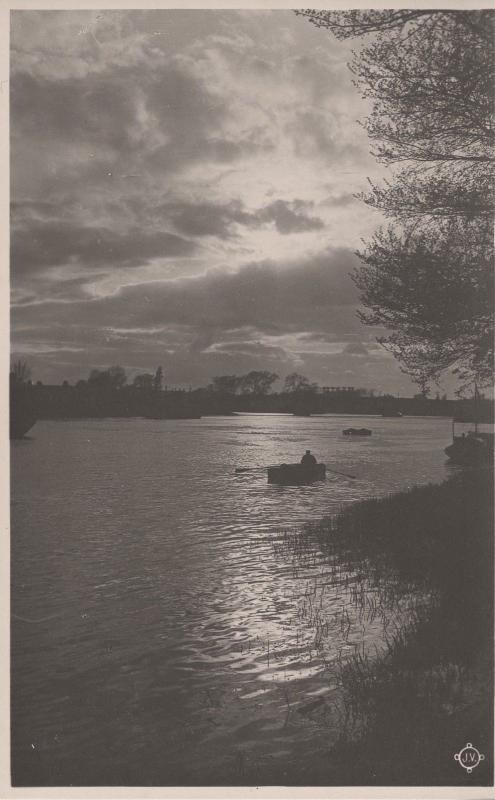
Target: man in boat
{"points": [[308, 459]]}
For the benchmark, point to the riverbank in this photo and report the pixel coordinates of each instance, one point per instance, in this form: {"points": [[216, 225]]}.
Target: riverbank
{"points": [[407, 711], [86, 400]]}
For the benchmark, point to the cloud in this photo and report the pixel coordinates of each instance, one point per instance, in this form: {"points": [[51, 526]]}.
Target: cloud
{"points": [[318, 336], [214, 324], [215, 219], [37, 245], [206, 219], [180, 186], [267, 296], [288, 219], [356, 349], [252, 349], [160, 116], [340, 200], [112, 97]]}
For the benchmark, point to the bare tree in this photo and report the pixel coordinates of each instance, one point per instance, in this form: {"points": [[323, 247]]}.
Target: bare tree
{"points": [[20, 373]]}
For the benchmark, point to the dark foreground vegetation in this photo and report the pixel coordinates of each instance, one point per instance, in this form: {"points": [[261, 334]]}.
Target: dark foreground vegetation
{"points": [[408, 710]]}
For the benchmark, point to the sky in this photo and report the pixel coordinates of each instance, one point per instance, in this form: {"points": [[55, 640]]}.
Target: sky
{"points": [[182, 194]]}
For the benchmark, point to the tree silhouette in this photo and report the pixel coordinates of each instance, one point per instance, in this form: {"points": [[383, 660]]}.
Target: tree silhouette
{"points": [[226, 384], [258, 381], [429, 77], [111, 378], [296, 382], [20, 373], [144, 382], [158, 380]]}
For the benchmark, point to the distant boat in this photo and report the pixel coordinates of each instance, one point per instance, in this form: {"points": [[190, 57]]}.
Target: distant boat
{"points": [[296, 474], [357, 432], [474, 448], [392, 414], [302, 413]]}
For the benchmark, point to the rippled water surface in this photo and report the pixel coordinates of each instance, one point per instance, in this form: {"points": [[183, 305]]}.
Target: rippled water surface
{"points": [[160, 635]]}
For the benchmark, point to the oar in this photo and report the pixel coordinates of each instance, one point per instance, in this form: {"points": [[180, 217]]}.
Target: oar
{"points": [[345, 474], [255, 469]]}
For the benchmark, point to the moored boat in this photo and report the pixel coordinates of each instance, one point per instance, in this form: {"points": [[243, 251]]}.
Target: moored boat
{"points": [[20, 423], [23, 414], [296, 474], [357, 432], [471, 449], [474, 448]]}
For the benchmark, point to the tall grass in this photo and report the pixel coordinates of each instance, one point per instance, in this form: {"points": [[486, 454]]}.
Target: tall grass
{"points": [[406, 711]]}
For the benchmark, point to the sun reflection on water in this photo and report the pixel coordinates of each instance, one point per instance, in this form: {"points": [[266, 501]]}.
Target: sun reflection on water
{"points": [[188, 621]]}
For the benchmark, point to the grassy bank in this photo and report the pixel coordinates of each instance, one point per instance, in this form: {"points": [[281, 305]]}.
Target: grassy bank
{"points": [[407, 712]]}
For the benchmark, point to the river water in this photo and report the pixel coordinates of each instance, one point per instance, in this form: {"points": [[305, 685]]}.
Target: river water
{"points": [[160, 635]]}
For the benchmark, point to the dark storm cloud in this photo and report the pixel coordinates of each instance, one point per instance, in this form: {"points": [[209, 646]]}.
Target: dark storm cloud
{"points": [[209, 219], [288, 218], [36, 245], [267, 296], [152, 114], [92, 110], [206, 219], [102, 109]]}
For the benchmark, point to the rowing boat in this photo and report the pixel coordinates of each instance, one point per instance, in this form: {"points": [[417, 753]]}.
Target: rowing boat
{"points": [[296, 474]]}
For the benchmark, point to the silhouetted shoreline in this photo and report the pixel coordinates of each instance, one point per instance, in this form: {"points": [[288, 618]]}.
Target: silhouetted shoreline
{"points": [[86, 401]]}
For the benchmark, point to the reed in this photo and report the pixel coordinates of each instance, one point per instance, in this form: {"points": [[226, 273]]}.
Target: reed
{"points": [[423, 557]]}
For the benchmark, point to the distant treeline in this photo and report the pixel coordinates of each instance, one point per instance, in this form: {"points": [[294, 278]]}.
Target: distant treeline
{"points": [[107, 393]]}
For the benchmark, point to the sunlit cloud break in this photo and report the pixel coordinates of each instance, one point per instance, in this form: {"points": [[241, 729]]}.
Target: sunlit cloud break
{"points": [[178, 177]]}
